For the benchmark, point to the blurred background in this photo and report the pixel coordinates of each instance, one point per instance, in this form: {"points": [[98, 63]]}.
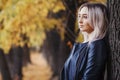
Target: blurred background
{"points": [[36, 37]]}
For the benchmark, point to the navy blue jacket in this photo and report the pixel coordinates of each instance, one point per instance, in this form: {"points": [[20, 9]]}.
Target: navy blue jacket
{"points": [[86, 61]]}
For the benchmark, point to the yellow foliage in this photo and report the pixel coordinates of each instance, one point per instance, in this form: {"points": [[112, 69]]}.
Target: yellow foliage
{"points": [[102, 1], [57, 8], [27, 18], [3, 36]]}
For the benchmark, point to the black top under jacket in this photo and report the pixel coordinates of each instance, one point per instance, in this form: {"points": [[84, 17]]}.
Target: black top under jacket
{"points": [[86, 61]]}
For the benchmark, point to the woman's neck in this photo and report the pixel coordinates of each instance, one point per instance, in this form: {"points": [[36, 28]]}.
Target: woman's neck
{"points": [[87, 38]]}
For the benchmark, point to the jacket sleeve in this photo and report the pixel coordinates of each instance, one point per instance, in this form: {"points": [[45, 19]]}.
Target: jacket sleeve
{"points": [[96, 62]]}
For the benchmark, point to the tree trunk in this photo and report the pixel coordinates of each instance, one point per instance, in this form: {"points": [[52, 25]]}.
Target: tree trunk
{"points": [[17, 63], [4, 67], [50, 49], [18, 57], [114, 40], [26, 55]]}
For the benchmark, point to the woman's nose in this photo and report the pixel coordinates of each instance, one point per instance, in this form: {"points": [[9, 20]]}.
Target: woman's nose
{"points": [[80, 20]]}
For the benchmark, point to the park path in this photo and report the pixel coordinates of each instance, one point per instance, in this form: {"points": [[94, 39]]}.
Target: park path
{"points": [[38, 70]]}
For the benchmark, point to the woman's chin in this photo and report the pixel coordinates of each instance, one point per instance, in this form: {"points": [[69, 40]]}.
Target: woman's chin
{"points": [[82, 30]]}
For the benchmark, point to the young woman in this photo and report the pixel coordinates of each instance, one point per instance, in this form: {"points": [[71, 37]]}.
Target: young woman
{"points": [[88, 59]]}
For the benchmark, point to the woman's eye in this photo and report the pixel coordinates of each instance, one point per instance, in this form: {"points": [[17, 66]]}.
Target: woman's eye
{"points": [[85, 17]]}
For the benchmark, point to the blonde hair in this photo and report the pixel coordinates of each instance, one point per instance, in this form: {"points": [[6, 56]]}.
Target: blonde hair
{"points": [[98, 20]]}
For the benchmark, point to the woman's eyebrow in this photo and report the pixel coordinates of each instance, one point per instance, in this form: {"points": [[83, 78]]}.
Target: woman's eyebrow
{"points": [[82, 14]]}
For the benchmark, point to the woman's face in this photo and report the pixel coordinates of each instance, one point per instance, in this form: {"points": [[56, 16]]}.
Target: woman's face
{"points": [[83, 21]]}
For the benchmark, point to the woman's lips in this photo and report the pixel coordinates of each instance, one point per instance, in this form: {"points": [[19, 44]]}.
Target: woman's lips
{"points": [[80, 26]]}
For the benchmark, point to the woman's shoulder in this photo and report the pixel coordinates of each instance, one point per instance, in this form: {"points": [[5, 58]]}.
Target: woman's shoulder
{"points": [[98, 43]]}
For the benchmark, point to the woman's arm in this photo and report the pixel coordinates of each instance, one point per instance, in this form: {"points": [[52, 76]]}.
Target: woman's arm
{"points": [[95, 66]]}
